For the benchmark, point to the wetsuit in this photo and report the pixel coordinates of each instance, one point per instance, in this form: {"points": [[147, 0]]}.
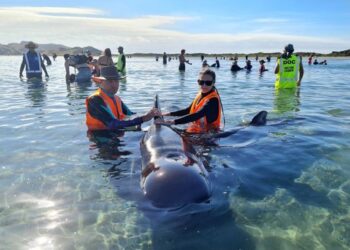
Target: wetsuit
{"points": [[98, 110], [210, 110], [248, 67], [235, 67]]}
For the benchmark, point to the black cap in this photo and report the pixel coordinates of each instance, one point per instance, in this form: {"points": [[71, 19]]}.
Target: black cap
{"points": [[289, 48], [109, 73]]}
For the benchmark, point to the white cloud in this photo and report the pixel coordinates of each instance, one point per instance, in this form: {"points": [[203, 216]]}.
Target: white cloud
{"points": [[52, 10], [81, 27], [270, 20]]}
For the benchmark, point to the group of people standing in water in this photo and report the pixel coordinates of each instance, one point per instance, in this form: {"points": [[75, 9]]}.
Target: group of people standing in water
{"points": [[315, 61], [106, 111]]}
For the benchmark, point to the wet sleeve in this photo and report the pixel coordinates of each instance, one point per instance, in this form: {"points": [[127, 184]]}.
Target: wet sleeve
{"points": [[22, 65], [181, 112], [124, 62], [209, 110], [98, 110], [126, 110]]}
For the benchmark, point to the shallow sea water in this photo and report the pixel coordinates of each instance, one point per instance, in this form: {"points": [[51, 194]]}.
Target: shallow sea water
{"points": [[285, 185]]}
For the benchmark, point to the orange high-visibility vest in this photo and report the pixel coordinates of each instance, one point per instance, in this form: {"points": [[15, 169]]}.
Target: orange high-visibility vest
{"points": [[115, 108], [202, 124]]}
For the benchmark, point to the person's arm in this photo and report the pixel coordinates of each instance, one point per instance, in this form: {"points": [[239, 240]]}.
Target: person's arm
{"points": [[210, 110], [301, 69], [188, 62], [181, 112], [66, 66], [43, 66], [111, 62], [277, 69], [22, 67], [98, 110], [124, 62]]}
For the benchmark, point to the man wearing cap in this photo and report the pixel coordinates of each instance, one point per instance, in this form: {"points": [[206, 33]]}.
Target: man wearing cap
{"points": [[105, 110], [33, 63], [289, 69], [121, 62]]}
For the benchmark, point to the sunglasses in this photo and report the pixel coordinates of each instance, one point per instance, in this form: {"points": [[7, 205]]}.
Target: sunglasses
{"points": [[202, 82]]}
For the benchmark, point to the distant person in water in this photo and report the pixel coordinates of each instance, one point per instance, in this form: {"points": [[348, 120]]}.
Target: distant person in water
{"points": [[205, 64], [310, 59], [80, 63], [106, 59], [165, 58], [248, 65], [32, 62], [121, 61], [256, 57], [157, 58], [202, 57], [246, 57], [268, 58], [289, 69], [324, 62], [47, 59], [66, 67], [235, 67], [205, 111], [54, 56], [217, 63], [262, 66], [106, 111], [183, 60], [315, 62]]}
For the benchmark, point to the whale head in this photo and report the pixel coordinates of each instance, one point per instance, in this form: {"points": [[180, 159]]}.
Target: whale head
{"points": [[171, 183]]}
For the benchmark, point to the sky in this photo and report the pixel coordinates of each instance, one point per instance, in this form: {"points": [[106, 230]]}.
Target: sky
{"points": [[155, 26]]}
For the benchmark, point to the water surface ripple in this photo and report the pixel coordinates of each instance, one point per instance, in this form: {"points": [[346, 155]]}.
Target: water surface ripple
{"points": [[282, 186]]}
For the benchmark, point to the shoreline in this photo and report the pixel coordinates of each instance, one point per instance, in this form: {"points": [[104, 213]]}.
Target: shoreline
{"points": [[227, 57]]}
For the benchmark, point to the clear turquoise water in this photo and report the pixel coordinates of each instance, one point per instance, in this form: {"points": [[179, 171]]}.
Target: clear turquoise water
{"points": [[282, 186]]}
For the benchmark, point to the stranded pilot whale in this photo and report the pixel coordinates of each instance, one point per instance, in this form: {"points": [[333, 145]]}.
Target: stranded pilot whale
{"points": [[172, 173]]}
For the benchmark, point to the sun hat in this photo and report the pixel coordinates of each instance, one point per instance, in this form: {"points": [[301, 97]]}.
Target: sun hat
{"points": [[109, 73], [289, 48], [30, 45]]}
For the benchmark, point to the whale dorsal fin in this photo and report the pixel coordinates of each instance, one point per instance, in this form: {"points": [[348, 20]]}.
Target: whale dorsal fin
{"points": [[259, 119], [157, 105]]}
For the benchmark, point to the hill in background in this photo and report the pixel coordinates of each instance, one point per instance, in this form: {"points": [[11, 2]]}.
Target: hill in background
{"points": [[49, 49], [59, 49]]}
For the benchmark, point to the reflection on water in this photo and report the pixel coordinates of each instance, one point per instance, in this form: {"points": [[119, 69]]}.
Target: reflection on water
{"points": [[280, 186], [287, 100], [36, 93], [122, 85]]}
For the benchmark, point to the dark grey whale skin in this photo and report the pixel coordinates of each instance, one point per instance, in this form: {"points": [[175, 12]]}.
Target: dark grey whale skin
{"points": [[172, 174]]}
